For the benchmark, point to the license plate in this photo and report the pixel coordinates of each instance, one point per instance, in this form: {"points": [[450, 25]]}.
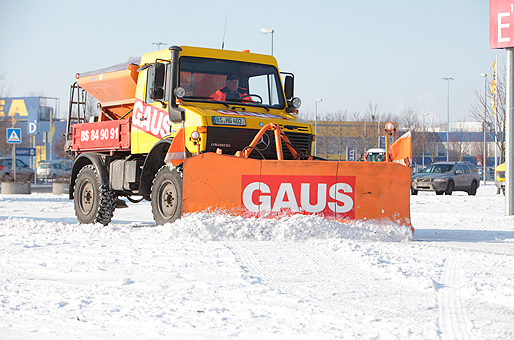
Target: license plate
{"points": [[237, 121]]}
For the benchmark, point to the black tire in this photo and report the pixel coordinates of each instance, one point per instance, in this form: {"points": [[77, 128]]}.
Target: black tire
{"points": [[413, 192], [449, 188], [473, 190], [93, 202], [166, 196], [439, 192]]}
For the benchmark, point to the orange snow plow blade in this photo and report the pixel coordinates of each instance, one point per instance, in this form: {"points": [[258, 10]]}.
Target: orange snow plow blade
{"points": [[273, 188]]}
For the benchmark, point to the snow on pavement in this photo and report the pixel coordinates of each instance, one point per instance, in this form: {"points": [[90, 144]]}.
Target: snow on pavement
{"points": [[211, 276]]}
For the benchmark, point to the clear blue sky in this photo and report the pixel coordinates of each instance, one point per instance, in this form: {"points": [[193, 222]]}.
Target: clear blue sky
{"points": [[391, 53]]}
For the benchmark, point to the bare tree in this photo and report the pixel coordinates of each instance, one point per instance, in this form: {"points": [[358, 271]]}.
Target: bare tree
{"points": [[341, 133], [433, 142], [58, 147], [324, 136], [481, 110], [460, 141], [5, 122]]}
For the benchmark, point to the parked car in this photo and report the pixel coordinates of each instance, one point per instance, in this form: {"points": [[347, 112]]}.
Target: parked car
{"points": [[500, 178], [23, 171], [52, 170], [447, 177]]}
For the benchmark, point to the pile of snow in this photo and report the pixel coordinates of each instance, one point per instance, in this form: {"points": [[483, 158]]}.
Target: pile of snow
{"points": [[215, 276]]}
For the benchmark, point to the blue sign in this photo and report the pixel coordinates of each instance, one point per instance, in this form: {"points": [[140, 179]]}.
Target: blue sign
{"points": [[25, 151], [13, 135], [351, 154], [21, 108]]}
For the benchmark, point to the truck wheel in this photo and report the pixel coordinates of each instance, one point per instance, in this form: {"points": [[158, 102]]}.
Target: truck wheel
{"points": [[473, 190], [449, 189], [166, 196], [93, 202]]}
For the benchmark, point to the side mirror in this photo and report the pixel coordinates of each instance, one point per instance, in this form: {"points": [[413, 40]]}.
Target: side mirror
{"points": [[458, 172], [289, 87], [157, 89]]}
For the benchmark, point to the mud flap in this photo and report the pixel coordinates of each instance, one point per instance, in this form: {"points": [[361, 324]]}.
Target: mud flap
{"points": [[270, 188]]}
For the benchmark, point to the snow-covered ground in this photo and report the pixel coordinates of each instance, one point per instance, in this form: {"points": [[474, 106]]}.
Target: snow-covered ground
{"points": [[223, 277]]}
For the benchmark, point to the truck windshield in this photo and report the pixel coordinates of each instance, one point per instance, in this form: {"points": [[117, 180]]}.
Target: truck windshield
{"points": [[230, 81], [375, 157]]}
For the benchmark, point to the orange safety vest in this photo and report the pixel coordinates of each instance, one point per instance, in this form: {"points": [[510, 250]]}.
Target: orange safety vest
{"points": [[221, 94]]}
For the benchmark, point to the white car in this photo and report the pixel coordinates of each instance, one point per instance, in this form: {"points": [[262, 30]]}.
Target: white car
{"points": [[52, 170]]}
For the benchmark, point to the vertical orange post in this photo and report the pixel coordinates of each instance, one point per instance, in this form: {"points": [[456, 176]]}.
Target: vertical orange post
{"points": [[389, 130]]}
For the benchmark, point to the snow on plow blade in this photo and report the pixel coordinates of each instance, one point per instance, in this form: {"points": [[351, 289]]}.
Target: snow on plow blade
{"points": [[274, 188]]}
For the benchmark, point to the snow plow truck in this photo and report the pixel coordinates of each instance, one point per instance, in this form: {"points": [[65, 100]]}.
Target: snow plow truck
{"points": [[196, 129]]}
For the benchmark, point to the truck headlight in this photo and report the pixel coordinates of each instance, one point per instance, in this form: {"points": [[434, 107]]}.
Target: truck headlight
{"points": [[179, 92], [296, 102]]}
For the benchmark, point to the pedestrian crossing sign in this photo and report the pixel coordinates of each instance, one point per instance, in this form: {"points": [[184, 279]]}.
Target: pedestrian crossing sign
{"points": [[14, 135]]}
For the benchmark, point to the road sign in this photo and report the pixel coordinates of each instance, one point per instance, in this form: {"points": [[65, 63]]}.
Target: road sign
{"points": [[13, 135], [25, 151]]}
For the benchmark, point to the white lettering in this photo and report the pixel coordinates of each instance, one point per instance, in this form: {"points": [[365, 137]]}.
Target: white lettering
{"points": [[305, 198], [264, 201], [501, 26], [285, 198], [84, 135], [151, 120], [155, 125], [334, 193], [144, 124], [285, 189], [138, 113]]}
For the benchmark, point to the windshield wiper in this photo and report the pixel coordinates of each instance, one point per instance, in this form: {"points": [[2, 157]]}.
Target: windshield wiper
{"points": [[205, 98], [247, 102]]}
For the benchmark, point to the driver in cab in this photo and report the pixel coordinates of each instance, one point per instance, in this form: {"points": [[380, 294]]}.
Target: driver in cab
{"points": [[231, 91]]}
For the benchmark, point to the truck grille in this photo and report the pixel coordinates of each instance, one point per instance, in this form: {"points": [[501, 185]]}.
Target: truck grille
{"points": [[231, 140]]}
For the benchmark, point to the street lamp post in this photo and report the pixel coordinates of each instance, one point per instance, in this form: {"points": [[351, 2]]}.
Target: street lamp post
{"points": [[448, 121], [158, 44], [424, 140], [484, 124], [269, 31], [316, 125]]}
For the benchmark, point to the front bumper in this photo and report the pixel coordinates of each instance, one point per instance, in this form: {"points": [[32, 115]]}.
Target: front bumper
{"points": [[429, 186]]}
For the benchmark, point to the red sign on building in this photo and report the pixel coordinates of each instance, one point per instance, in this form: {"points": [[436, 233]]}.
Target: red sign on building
{"points": [[501, 24]]}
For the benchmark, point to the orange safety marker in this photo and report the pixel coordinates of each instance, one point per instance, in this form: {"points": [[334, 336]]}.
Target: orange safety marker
{"points": [[177, 151]]}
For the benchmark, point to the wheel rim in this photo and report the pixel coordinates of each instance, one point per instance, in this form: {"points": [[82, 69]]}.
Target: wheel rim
{"points": [[168, 199], [86, 197]]}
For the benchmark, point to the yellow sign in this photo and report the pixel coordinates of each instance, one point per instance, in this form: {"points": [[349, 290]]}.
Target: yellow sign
{"points": [[40, 153], [17, 107]]}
